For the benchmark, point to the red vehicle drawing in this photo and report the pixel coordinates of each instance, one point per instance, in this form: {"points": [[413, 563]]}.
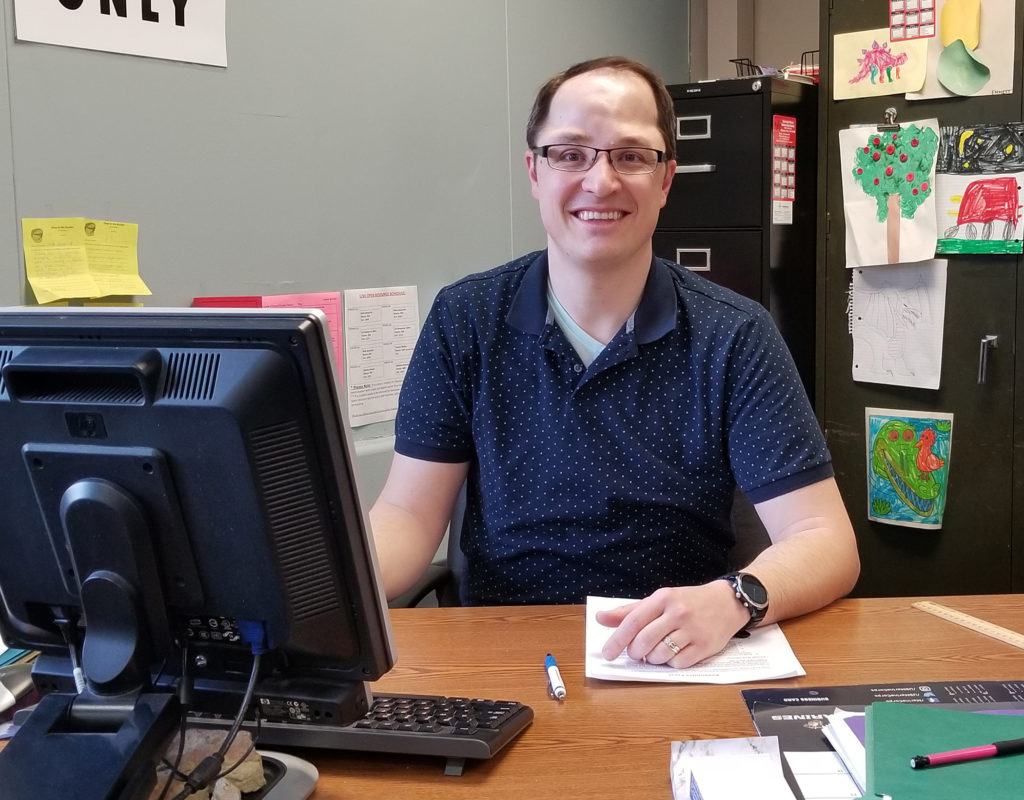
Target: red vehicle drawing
{"points": [[987, 202]]}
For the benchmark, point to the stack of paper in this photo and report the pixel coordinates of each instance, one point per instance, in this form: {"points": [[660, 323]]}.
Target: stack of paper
{"points": [[845, 732], [724, 769], [16, 685], [799, 716]]}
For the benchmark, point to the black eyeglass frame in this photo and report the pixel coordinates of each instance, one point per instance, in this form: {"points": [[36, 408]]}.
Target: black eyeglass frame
{"points": [[542, 152]]}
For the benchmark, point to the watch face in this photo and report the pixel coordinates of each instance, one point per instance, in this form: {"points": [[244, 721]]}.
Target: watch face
{"points": [[754, 590]]}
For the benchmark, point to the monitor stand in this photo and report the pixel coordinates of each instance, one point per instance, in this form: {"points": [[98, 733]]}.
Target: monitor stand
{"points": [[103, 742], [288, 777], [53, 758]]}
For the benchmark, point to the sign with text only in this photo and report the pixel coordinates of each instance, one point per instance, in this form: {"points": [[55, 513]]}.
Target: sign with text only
{"points": [[177, 30]]}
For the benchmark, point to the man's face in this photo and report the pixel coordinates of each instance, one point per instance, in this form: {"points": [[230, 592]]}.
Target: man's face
{"points": [[600, 218]]}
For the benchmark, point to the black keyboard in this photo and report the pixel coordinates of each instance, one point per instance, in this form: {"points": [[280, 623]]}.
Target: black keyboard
{"points": [[454, 728]]}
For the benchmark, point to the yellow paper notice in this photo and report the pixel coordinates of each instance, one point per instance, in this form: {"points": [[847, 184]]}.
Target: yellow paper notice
{"points": [[112, 249], [76, 258]]}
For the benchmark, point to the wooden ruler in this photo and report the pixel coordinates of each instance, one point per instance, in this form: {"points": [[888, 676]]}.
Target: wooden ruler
{"points": [[975, 624]]}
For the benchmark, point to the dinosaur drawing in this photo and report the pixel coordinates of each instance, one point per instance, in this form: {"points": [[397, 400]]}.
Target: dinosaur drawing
{"points": [[879, 64]]}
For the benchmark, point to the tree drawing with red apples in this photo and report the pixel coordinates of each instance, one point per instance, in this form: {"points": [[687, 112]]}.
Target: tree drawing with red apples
{"points": [[894, 168]]}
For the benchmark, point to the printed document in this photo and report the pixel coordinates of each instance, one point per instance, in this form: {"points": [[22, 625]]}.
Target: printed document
{"points": [[381, 328], [764, 655]]}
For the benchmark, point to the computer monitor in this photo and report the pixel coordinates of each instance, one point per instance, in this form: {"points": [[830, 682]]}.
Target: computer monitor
{"points": [[177, 492]]}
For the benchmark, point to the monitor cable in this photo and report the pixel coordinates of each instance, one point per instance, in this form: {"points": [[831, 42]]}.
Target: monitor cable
{"points": [[185, 686], [68, 626], [209, 769]]}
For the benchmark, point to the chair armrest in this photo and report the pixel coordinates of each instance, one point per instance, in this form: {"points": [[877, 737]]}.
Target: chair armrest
{"points": [[434, 579]]}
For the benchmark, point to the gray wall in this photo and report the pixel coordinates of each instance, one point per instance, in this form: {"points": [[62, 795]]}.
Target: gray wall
{"points": [[769, 32], [349, 143], [11, 266], [783, 29], [730, 35]]}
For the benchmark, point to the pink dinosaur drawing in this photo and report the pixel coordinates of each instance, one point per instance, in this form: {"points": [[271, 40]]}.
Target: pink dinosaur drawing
{"points": [[878, 64]]}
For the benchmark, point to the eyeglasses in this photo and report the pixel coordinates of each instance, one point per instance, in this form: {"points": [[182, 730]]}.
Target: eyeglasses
{"points": [[580, 158]]}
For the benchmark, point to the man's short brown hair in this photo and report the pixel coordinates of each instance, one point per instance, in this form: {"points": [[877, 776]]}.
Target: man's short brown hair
{"points": [[662, 99]]}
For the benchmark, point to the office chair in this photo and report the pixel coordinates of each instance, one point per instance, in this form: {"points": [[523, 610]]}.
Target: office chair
{"points": [[440, 583], [751, 537]]}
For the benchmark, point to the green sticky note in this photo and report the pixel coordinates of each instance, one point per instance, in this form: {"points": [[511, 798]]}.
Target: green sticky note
{"points": [[959, 71], [896, 732]]}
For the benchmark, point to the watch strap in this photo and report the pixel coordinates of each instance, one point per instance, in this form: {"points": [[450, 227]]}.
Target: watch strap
{"points": [[756, 610]]}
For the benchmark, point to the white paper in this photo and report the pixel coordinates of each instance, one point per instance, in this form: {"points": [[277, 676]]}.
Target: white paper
{"points": [[897, 317], [764, 655], [724, 769], [782, 212], [381, 328], [986, 223], [821, 776], [867, 240], [845, 742], [6, 698], [177, 31], [994, 50]]}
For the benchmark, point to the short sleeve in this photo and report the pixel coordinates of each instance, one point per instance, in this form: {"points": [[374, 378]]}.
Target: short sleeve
{"points": [[775, 443], [434, 410]]}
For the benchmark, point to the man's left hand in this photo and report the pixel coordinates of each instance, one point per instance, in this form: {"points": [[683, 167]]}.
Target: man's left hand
{"points": [[678, 626]]}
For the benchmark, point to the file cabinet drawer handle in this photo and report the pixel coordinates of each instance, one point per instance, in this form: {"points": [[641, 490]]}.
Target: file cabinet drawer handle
{"points": [[696, 127], [695, 259], [688, 168]]}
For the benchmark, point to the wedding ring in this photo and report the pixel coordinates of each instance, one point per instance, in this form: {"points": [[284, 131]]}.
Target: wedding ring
{"points": [[667, 641]]}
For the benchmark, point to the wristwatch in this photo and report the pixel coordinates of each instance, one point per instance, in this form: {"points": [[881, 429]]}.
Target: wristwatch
{"points": [[751, 593]]}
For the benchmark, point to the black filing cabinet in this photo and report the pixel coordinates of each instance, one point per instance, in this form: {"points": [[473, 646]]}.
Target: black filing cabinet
{"points": [[741, 211]]}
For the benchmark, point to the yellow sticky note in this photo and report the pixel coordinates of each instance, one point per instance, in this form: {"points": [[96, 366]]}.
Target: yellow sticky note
{"points": [[961, 19]]}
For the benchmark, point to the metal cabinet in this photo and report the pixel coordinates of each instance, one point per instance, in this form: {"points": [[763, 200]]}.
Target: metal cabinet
{"points": [[742, 206]]}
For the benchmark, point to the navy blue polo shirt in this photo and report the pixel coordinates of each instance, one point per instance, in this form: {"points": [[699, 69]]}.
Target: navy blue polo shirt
{"points": [[617, 478]]}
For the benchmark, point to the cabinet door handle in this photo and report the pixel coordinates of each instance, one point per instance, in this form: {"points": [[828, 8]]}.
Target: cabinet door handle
{"points": [[988, 342], [683, 168]]}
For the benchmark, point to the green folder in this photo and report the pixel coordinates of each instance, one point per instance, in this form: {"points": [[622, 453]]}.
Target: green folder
{"points": [[896, 732]]}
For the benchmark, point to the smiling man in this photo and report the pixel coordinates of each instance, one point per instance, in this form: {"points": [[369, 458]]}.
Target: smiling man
{"points": [[602, 405]]}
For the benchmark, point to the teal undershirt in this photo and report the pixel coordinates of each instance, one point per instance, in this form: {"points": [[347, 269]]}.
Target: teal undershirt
{"points": [[587, 347]]}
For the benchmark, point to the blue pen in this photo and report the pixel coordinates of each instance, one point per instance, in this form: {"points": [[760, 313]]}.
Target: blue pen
{"points": [[555, 686]]}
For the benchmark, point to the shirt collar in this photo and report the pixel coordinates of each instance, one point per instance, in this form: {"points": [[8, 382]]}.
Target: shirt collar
{"points": [[653, 318]]}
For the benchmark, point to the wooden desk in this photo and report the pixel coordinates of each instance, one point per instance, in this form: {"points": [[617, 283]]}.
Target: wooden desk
{"points": [[612, 740]]}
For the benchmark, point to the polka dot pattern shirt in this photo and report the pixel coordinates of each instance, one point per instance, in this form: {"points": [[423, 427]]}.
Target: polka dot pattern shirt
{"points": [[617, 478]]}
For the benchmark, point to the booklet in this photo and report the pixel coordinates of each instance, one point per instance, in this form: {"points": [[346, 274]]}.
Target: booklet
{"points": [[896, 732]]}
